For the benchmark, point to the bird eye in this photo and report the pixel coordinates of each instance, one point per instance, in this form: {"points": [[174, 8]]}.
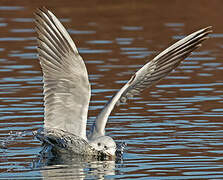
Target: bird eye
{"points": [[105, 147], [99, 144]]}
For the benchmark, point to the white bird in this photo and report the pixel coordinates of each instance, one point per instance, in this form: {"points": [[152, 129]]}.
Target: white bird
{"points": [[67, 89]]}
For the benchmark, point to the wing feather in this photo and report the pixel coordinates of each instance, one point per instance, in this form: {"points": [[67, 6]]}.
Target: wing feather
{"points": [[66, 84], [150, 74]]}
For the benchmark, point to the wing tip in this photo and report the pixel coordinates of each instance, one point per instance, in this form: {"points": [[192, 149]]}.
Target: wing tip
{"points": [[209, 28], [206, 31], [41, 11]]}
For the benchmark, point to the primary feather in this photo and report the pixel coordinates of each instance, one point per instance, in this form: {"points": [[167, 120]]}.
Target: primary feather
{"points": [[150, 74], [66, 84], [67, 88]]}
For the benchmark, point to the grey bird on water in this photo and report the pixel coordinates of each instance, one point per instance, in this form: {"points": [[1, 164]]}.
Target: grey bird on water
{"points": [[67, 89]]}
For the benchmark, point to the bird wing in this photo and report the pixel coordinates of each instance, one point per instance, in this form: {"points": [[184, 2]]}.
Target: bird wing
{"points": [[65, 77], [150, 74]]}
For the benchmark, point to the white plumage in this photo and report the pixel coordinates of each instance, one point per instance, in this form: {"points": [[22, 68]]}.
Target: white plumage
{"points": [[67, 88]]}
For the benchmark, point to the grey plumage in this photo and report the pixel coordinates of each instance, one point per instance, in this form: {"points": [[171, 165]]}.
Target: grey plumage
{"points": [[67, 88], [66, 84], [151, 73]]}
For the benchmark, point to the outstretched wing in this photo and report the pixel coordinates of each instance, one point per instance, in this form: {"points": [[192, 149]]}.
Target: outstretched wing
{"points": [[150, 74], [66, 84]]}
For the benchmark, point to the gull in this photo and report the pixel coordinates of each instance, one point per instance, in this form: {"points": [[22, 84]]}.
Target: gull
{"points": [[67, 89]]}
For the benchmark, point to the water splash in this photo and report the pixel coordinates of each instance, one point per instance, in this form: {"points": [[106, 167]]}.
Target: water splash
{"points": [[12, 138]]}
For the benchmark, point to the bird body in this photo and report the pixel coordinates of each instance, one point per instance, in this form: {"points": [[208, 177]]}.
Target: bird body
{"points": [[67, 89]]}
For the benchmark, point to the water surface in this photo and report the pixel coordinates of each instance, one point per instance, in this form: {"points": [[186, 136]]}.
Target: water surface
{"points": [[173, 130]]}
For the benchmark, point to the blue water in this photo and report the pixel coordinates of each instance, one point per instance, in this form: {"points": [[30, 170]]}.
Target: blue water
{"points": [[172, 130]]}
